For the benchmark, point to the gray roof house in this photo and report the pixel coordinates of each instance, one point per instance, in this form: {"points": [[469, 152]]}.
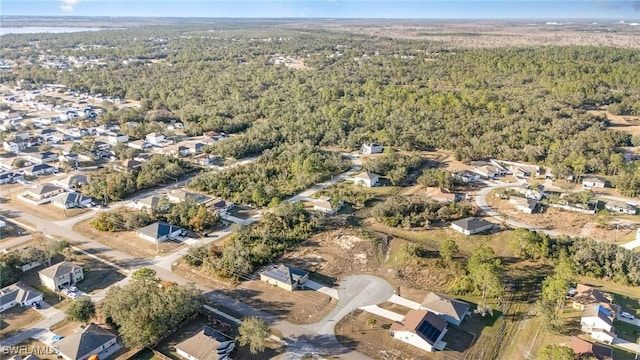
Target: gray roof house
{"points": [[61, 274], [91, 340], [71, 200], [286, 277], [159, 231], [18, 294], [206, 344], [471, 225], [453, 311]]}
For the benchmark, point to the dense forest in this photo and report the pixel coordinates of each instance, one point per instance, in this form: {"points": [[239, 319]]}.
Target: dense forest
{"points": [[512, 103]]}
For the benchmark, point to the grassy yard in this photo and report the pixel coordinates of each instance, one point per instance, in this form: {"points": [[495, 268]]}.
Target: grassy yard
{"points": [[45, 211], [17, 319], [37, 348], [626, 331]]}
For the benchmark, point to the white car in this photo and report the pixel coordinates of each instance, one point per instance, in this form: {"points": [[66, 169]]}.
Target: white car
{"points": [[571, 292], [72, 288], [626, 315], [73, 295], [65, 291]]}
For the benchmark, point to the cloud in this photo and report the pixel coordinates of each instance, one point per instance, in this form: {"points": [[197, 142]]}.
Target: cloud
{"points": [[67, 5]]}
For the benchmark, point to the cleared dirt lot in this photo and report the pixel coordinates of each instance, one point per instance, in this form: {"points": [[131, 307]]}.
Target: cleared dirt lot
{"points": [[574, 223], [628, 124], [45, 211], [127, 241]]}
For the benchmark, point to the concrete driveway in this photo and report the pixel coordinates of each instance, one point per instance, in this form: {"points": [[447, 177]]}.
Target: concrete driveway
{"points": [[354, 292]]}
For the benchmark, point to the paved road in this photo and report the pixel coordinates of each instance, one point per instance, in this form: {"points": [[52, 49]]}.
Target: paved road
{"points": [[306, 194]]}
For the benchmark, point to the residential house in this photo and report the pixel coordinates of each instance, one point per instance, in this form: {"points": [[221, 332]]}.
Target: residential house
{"points": [[586, 295], [71, 200], [71, 182], [139, 144], [159, 231], [128, 165], [70, 158], [530, 191], [597, 321], [206, 344], [371, 148], [60, 275], [116, 138], [204, 159], [18, 294], [453, 311], [155, 138], [527, 206], [325, 205], [466, 176], [13, 146], [585, 349], [88, 341], [472, 225], [10, 177], [214, 135], [487, 170], [147, 203], [422, 329], [593, 182], [621, 207], [41, 158], [366, 179], [177, 196], [283, 276], [40, 170], [42, 191], [441, 195], [48, 133]]}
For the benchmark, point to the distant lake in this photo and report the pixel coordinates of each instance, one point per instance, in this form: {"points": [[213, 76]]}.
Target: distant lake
{"points": [[51, 29]]}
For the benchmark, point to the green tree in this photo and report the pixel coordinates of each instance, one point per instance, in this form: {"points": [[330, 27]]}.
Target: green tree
{"points": [[603, 217], [448, 248], [82, 309], [254, 332], [371, 322], [556, 352]]}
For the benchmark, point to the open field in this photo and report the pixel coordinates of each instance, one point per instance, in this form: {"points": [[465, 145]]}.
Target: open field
{"points": [[16, 319], [45, 211], [628, 124], [127, 241], [299, 307], [487, 33]]}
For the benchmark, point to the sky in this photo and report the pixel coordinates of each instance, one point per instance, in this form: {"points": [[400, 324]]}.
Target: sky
{"points": [[415, 9]]}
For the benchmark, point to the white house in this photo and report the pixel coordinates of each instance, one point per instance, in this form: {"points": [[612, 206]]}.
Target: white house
{"points": [[471, 225], [593, 182], [155, 138], [466, 176], [70, 200], [597, 321], [525, 205], [159, 231], [61, 274], [207, 344], [114, 138], [372, 148], [14, 147], [422, 329], [71, 182], [366, 179], [621, 207], [324, 205], [18, 294]]}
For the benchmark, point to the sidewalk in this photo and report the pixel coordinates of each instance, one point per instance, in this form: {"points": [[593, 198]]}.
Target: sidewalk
{"points": [[321, 288], [404, 302]]}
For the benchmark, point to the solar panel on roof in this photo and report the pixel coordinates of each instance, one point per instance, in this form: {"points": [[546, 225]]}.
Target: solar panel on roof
{"points": [[429, 331]]}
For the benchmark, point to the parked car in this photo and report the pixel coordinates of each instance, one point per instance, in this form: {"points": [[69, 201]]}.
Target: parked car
{"points": [[56, 338], [571, 292], [37, 305], [73, 295], [65, 291], [626, 315], [72, 288]]}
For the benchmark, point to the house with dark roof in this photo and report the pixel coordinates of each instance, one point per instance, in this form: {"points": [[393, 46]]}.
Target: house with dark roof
{"points": [[206, 344], [283, 276], [422, 329], [159, 231], [585, 349], [60, 275], [71, 200], [10, 177], [18, 294], [453, 311], [472, 225], [40, 170], [88, 341]]}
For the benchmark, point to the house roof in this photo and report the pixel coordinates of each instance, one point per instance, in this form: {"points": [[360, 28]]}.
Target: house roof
{"points": [[620, 205], [69, 180], [150, 201], [423, 323], [284, 274], [600, 312], [471, 223], [158, 229], [38, 167], [587, 295], [72, 198], [31, 357], [18, 292], [366, 176], [442, 305], [82, 343], [580, 347], [42, 189], [131, 164], [440, 193], [206, 344], [59, 269], [594, 179]]}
